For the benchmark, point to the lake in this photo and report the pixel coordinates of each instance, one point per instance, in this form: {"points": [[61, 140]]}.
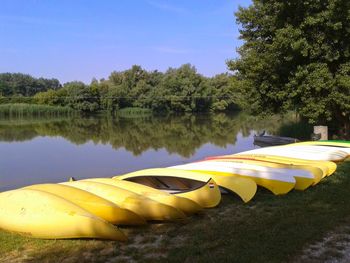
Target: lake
{"points": [[41, 150]]}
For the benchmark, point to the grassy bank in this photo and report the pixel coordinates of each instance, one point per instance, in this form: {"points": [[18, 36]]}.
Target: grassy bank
{"points": [[24, 110], [268, 229]]}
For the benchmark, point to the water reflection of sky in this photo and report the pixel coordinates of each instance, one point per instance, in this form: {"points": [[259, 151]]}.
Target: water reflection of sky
{"points": [[41, 150], [55, 159]]}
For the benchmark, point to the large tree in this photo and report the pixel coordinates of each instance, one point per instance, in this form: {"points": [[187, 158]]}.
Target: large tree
{"points": [[296, 55]]}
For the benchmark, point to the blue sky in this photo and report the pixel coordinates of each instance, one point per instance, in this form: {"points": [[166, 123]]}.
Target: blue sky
{"points": [[82, 39]]}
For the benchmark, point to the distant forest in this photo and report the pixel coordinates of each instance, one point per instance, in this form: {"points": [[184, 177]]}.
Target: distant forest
{"points": [[180, 89]]}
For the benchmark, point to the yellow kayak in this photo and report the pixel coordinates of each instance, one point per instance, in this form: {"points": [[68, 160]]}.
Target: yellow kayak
{"points": [[303, 179], [185, 205], [145, 207], [327, 167], [43, 215], [205, 193], [345, 144], [92, 203], [244, 188], [301, 182]]}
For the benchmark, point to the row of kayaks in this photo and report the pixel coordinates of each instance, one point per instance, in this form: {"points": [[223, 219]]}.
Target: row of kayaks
{"points": [[95, 208]]}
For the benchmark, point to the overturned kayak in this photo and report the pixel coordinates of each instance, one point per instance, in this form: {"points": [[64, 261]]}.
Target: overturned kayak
{"points": [[43, 215], [312, 174], [140, 205], [275, 182], [185, 205], [92, 203], [327, 167], [335, 145], [303, 178], [269, 140], [199, 188], [315, 153]]}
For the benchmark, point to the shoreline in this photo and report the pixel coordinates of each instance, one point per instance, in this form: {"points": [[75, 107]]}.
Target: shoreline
{"points": [[268, 229]]}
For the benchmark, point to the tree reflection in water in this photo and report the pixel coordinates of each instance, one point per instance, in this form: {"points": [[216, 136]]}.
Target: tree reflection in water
{"points": [[177, 134]]}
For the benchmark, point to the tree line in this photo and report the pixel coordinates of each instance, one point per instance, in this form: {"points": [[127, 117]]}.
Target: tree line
{"points": [[17, 84], [180, 89]]}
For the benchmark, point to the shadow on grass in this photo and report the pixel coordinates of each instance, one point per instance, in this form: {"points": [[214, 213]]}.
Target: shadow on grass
{"points": [[270, 228]]}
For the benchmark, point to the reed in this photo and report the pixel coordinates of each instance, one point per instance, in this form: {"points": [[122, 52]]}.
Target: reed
{"points": [[23, 109]]}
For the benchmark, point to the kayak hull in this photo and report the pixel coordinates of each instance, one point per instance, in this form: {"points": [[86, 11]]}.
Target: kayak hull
{"points": [[141, 207], [92, 203], [313, 153], [276, 183], [302, 183], [327, 167], [184, 204], [43, 215], [343, 146]]}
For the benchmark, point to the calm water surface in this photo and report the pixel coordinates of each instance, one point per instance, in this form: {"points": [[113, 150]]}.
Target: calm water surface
{"points": [[41, 150]]}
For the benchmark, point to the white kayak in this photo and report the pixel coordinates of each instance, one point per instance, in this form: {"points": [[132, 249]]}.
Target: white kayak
{"points": [[304, 178], [330, 147], [275, 182], [315, 153]]}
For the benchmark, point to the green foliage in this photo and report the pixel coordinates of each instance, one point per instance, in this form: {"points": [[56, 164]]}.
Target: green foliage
{"points": [[300, 130], [182, 90], [296, 56], [177, 90], [75, 95], [81, 97], [17, 84], [225, 93]]}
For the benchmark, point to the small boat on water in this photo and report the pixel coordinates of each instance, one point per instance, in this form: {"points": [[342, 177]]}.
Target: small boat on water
{"points": [[271, 140]]}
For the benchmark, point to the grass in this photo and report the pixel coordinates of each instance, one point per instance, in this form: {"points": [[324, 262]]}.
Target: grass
{"points": [[268, 229], [24, 110]]}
